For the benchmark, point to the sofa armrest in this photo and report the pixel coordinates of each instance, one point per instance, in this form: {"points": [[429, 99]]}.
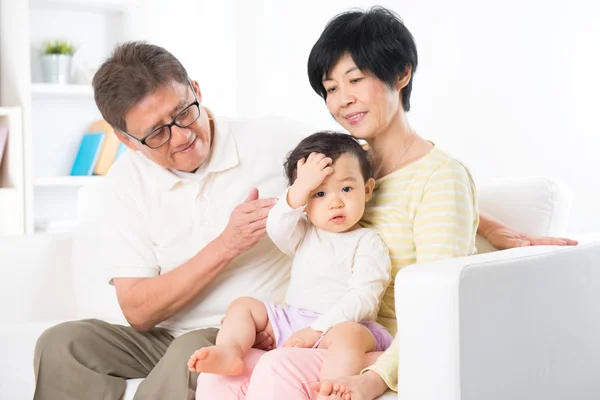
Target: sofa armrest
{"points": [[36, 282], [516, 324]]}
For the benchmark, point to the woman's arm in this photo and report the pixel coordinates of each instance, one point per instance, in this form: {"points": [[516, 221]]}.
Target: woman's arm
{"points": [[502, 236]]}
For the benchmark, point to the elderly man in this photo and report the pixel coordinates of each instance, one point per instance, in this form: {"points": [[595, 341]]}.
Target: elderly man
{"points": [[185, 232]]}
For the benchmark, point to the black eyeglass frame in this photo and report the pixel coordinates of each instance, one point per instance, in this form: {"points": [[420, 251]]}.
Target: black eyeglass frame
{"points": [[168, 126]]}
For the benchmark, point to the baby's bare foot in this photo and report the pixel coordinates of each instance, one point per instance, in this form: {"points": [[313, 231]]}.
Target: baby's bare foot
{"points": [[221, 360], [331, 391]]}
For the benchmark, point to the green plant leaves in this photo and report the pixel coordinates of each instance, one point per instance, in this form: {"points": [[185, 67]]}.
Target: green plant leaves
{"points": [[59, 47]]}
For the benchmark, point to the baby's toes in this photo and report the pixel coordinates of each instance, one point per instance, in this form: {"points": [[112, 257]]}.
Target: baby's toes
{"points": [[326, 388]]}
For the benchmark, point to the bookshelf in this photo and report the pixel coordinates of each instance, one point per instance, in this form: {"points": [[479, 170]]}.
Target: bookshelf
{"points": [[66, 181], [51, 90], [55, 117], [102, 6], [12, 194]]}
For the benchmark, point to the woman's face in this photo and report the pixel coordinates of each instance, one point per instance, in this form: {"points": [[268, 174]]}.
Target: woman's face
{"points": [[361, 103]]}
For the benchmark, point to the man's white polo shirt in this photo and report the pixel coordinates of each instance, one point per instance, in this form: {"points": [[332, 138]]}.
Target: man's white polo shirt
{"points": [[157, 220]]}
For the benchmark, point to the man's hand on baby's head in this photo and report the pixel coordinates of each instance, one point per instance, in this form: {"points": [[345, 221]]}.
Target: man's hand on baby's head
{"points": [[310, 174]]}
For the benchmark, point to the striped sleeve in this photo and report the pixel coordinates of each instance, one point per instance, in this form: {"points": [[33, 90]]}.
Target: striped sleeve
{"points": [[444, 227], [447, 218]]}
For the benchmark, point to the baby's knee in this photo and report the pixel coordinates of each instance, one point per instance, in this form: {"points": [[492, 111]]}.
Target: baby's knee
{"points": [[346, 329], [348, 334], [245, 303]]}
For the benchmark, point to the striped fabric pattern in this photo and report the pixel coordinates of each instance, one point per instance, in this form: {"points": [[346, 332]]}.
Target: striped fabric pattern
{"points": [[425, 211]]}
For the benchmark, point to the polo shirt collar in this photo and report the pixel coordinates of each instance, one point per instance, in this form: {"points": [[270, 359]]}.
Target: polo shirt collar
{"points": [[224, 154]]}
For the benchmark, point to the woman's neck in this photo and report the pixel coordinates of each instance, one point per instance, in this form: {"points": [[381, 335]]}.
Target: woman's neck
{"points": [[389, 146]]}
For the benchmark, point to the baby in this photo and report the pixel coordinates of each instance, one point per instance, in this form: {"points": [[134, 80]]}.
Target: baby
{"points": [[339, 272]]}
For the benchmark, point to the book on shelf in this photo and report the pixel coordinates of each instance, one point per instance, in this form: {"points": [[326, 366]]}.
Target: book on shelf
{"points": [[88, 154], [109, 149], [98, 151], [3, 140], [122, 149]]}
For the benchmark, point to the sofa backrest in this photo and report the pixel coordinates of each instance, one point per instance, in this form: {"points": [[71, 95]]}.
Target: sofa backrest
{"points": [[535, 205], [36, 278], [95, 298]]}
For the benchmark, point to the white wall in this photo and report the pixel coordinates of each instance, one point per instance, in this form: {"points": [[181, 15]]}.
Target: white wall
{"points": [[202, 34], [512, 88]]}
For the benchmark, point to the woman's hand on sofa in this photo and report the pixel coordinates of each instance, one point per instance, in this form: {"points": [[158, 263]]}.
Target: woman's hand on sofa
{"points": [[503, 237]]}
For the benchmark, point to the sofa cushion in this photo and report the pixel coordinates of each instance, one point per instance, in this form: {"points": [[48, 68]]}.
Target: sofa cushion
{"points": [[17, 344], [535, 205], [95, 298]]}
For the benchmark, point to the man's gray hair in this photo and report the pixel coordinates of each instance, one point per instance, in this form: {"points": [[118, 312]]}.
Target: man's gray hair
{"points": [[134, 71]]}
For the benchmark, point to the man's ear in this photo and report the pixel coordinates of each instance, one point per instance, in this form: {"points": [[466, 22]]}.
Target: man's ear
{"points": [[126, 140], [369, 186], [196, 87]]}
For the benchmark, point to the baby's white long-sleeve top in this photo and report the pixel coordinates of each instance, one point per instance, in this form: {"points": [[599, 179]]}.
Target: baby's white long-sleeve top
{"points": [[341, 276]]}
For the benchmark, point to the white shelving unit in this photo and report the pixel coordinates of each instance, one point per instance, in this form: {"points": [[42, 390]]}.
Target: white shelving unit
{"points": [[47, 89], [54, 117], [103, 6], [12, 194], [65, 181]]}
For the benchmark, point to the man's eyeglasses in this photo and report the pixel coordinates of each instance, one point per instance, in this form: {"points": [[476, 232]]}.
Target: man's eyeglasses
{"points": [[162, 134]]}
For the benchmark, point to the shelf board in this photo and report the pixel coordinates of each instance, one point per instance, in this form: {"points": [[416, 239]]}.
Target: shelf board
{"points": [[62, 90], [105, 6], [55, 226], [66, 181], [9, 111]]}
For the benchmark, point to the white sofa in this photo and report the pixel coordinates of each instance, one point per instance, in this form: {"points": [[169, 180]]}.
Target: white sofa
{"points": [[517, 324]]}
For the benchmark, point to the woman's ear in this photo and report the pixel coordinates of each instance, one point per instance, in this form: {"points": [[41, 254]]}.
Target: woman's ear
{"points": [[369, 186], [404, 78]]}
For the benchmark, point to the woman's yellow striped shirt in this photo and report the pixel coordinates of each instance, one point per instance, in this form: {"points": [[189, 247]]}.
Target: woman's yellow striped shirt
{"points": [[425, 211]]}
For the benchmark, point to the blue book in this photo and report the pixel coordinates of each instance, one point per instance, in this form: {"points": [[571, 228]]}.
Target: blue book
{"points": [[89, 151], [122, 149]]}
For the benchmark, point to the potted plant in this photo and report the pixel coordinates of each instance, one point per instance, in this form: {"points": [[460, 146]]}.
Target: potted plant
{"points": [[56, 61]]}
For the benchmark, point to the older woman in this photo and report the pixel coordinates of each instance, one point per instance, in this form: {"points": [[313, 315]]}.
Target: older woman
{"points": [[423, 206]]}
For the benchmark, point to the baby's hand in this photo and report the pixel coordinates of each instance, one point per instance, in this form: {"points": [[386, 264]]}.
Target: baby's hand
{"points": [[304, 338], [310, 173]]}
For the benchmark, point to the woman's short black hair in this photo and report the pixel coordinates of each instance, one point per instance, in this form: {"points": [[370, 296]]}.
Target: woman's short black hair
{"points": [[333, 145], [377, 41]]}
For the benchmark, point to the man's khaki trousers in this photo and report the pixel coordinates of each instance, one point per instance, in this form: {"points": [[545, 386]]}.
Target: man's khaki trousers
{"points": [[91, 359]]}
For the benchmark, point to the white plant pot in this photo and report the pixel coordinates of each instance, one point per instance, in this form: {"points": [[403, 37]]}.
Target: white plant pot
{"points": [[56, 68]]}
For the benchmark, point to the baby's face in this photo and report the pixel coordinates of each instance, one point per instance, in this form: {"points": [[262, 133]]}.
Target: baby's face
{"points": [[339, 203]]}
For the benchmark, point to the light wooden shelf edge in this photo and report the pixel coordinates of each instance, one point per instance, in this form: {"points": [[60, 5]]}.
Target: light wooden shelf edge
{"points": [[62, 90], [109, 6], [65, 181]]}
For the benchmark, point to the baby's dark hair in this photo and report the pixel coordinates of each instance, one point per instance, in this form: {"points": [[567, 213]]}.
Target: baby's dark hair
{"points": [[333, 145]]}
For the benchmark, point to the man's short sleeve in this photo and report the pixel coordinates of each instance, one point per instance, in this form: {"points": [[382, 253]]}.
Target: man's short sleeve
{"points": [[128, 242]]}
